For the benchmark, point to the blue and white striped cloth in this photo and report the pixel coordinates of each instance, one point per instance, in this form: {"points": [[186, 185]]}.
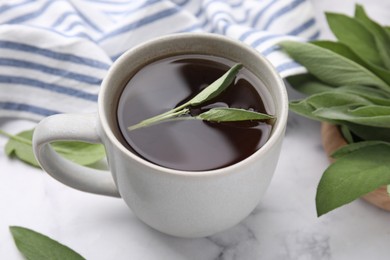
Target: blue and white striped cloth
{"points": [[55, 53]]}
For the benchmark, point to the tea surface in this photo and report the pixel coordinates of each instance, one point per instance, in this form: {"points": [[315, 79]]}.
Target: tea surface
{"points": [[191, 145]]}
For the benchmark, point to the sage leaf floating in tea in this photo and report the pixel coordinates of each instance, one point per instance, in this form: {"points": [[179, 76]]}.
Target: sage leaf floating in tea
{"points": [[232, 115], [215, 88]]}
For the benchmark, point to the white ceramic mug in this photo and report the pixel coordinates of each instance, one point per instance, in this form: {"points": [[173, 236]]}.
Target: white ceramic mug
{"points": [[180, 203]]}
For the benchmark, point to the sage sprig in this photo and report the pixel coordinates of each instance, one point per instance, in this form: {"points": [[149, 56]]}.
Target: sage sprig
{"points": [[182, 112], [348, 84]]}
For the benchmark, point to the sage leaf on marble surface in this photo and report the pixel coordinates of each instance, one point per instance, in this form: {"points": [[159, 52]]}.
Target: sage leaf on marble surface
{"points": [[20, 145], [330, 67], [36, 246], [352, 176]]}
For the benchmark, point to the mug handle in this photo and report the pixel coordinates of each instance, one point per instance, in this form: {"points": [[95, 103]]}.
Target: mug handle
{"points": [[71, 127]]}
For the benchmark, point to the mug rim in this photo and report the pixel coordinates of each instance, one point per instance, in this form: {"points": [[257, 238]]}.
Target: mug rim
{"points": [[277, 132]]}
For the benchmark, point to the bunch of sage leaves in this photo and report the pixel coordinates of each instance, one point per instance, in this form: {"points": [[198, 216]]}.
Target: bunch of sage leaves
{"points": [[348, 84]]}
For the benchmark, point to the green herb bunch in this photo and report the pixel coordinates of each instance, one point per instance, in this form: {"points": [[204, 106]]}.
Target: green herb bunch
{"points": [[348, 84]]}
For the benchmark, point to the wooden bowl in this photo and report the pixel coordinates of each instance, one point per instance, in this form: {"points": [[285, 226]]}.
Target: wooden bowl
{"points": [[332, 139]]}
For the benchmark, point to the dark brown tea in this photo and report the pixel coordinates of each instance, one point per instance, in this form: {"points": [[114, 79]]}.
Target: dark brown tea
{"points": [[192, 145]]}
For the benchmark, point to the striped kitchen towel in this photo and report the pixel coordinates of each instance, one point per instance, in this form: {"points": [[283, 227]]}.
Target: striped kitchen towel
{"points": [[55, 53]]}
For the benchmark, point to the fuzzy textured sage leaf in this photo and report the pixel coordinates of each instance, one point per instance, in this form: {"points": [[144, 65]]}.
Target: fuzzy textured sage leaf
{"points": [[376, 96], [382, 38], [328, 99], [369, 133], [353, 175], [372, 115], [354, 147], [347, 134], [355, 35], [331, 67], [308, 84], [345, 51], [20, 145], [35, 246]]}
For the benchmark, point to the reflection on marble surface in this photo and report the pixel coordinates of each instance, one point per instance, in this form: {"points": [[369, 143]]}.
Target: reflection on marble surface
{"points": [[283, 226]]}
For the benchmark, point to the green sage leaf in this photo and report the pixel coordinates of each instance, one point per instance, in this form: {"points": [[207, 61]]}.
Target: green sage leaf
{"points": [[352, 176], [388, 190], [20, 145], [369, 132], [345, 150], [331, 67], [345, 51], [81, 153], [371, 115], [382, 39], [217, 87], [387, 29], [232, 114], [35, 246], [346, 134], [308, 84], [328, 99], [339, 48], [376, 96], [355, 35]]}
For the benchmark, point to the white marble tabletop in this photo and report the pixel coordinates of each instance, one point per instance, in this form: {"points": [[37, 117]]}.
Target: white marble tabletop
{"points": [[283, 226]]}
